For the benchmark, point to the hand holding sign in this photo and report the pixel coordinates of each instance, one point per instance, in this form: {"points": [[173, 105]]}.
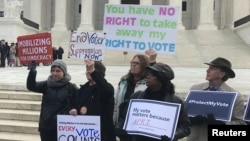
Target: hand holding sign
{"points": [[211, 120], [165, 138], [90, 65], [152, 55], [83, 110], [32, 65], [199, 119], [73, 112]]}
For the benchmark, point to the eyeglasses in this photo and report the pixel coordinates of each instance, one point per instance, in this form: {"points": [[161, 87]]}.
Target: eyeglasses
{"points": [[134, 63]]}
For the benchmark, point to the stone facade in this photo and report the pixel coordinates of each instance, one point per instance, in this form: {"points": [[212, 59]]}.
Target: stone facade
{"points": [[88, 14]]}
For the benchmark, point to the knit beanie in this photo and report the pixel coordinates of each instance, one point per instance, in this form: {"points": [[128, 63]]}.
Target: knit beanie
{"points": [[59, 63]]}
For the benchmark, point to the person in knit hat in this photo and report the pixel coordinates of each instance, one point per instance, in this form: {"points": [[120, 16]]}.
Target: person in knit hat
{"points": [[57, 93], [61, 65], [96, 97]]}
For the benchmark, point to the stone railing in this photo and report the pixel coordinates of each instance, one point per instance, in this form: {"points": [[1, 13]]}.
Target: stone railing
{"points": [[242, 21]]}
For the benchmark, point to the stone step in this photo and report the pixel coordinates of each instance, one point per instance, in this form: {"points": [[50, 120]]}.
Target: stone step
{"points": [[7, 136], [21, 95], [20, 104], [22, 115], [15, 126]]}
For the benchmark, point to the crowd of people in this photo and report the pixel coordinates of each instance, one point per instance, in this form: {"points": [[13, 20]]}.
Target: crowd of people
{"points": [[146, 79], [9, 54]]}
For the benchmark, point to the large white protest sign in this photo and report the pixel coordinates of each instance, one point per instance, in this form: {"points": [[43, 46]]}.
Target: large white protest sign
{"points": [[137, 28], [152, 118], [86, 45], [78, 128]]}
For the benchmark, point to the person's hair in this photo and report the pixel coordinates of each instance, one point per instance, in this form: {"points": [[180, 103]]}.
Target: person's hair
{"points": [[226, 77], [166, 84], [144, 62], [99, 67]]}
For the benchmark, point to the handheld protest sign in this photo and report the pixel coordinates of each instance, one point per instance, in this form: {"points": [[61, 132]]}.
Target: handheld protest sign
{"points": [[247, 110], [35, 47], [136, 28], [143, 118], [86, 45], [218, 103], [78, 127]]}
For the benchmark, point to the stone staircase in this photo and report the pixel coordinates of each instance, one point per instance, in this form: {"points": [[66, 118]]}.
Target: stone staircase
{"points": [[19, 115]]}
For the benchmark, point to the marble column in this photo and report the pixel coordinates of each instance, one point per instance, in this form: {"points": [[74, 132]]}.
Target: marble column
{"points": [[86, 16], [45, 24], [60, 16], [179, 4], [145, 2], [206, 15], [226, 14], [35, 5]]}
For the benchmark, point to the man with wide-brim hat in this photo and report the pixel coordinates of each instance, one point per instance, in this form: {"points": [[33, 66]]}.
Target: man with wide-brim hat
{"points": [[224, 65], [218, 72]]}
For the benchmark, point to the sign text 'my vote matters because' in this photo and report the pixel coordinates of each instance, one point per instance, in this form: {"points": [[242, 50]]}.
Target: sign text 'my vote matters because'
{"points": [[138, 28]]}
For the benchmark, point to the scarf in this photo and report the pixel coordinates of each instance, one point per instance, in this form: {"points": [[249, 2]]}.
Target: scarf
{"points": [[58, 83]]}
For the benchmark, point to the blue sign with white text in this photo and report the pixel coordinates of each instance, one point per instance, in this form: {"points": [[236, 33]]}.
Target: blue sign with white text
{"points": [[218, 103], [247, 111]]}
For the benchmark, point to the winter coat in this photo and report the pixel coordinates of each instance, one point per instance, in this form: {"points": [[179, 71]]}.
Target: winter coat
{"points": [[12, 53], [183, 125], [99, 100], [55, 100], [121, 91], [199, 131], [60, 52]]}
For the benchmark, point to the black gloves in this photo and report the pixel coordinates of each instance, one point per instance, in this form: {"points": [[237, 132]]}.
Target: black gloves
{"points": [[165, 138], [212, 120], [120, 132], [209, 119], [199, 119], [32, 65]]}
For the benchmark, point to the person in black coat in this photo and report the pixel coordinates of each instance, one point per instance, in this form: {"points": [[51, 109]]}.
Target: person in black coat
{"points": [[159, 88], [96, 98], [60, 52], [57, 92], [55, 53], [4, 49]]}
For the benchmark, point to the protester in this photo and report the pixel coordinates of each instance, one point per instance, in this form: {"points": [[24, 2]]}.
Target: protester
{"points": [[4, 50], [96, 97], [17, 62], [57, 96], [218, 72], [134, 80], [160, 88], [60, 52], [55, 53], [12, 55]]}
